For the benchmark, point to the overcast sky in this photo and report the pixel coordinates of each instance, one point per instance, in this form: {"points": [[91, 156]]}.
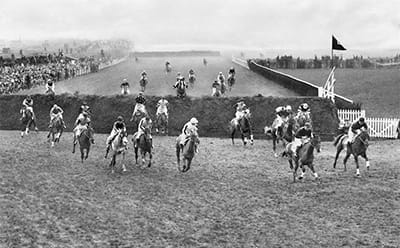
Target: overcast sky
{"points": [[281, 24]]}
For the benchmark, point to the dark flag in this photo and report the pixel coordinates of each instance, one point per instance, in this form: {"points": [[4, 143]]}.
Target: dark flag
{"points": [[336, 44]]}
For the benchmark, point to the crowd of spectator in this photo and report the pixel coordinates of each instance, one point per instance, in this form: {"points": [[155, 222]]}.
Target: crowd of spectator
{"points": [[26, 72]]}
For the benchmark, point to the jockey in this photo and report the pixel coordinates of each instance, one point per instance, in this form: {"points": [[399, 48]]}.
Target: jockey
{"points": [[125, 87], [280, 115], [180, 80], [162, 107], [231, 72], [241, 110], [119, 125], [304, 109], [343, 130], [144, 123], [356, 128], [287, 112], [50, 86], [84, 108], [191, 72], [140, 102], [143, 74], [188, 128], [302, 136], [221, 77], [27, 103], [81, 124], [54, 112]]}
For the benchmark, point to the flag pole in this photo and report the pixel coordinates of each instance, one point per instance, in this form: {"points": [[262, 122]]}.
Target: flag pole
{"points": [[332, 52]]}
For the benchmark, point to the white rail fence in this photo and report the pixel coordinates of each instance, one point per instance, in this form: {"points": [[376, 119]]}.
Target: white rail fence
{"points": [[240, 62], [377, 127]]}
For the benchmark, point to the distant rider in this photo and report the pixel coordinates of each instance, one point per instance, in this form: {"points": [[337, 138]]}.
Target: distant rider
{"points": [[84, 108], [302, 136], [50, 87], [119, 125], [162, 107], [27, 104], [342, 130], [221, 78], [56, 111], [241, 110], [125, 87], [140, 105], [144, 123], [231, 72]]}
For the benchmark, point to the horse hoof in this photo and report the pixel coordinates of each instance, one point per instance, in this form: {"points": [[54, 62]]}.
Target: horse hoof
{"points": [[299, 178]]}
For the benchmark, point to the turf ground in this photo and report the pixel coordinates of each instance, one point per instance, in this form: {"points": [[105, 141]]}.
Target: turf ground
{"points": [[107, 81], [233, 196], [377, 89]]}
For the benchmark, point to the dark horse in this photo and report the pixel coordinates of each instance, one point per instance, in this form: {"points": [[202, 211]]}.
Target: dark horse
{"points": [[305, 157], [181, 89], [244, 126], [162, 123], [56, 130], [231, 81], [27, 121], [143, 83], [84, 141], [144, 145], [285, 133], [357, 148], [136, 118], [188, 151]]}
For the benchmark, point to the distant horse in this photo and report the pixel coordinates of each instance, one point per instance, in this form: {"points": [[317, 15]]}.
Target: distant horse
{"points": [[56, 130], [244, 127], [143, 83], [181, 89], [162, 123], [192, 80], [231, 81], [357, 148], [168, 68], [285, 133], [119, 145], [144, 145], [84, 141], [305, 157], [223, 88], [188, 151], [204, 62], [27, 121]]}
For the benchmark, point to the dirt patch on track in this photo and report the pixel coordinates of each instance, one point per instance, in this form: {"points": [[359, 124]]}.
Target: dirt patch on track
{"points": [[234, 196]]}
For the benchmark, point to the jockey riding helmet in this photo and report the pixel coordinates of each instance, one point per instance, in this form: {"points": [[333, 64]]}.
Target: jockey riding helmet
{"points": [[120, 118], [125, 80], [29, 97], [288, 108], [362, 119], [220, 73], [279, 109], [84, 103], [194, 121], [140, 93], [304, 106]]}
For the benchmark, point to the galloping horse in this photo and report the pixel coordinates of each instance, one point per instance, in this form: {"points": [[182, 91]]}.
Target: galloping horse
{"points": [[144, 145], [181, 89], [143, 82], [188, 151], [244, 126], [305, 157], [119, 146], [357, 148], [56, 130], [192, 80], [284, 133], [84, 141], [162, 123], [231, 81], [27, 121]]}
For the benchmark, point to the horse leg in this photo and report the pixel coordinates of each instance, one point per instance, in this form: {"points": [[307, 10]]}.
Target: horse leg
{"points": [[364, 155], [123, 162], [274, 146], [233, 135], [150, 157], [290, 164], [52, 140], [303, 171], [311, 166], [338, 150], [82, 154], [73, 147], [296, 166], [136, 153], [143, 156], [357, 165], [244, 139], [189, 162], [348, 153], [87, 153], [178, 158], [112, 164]]}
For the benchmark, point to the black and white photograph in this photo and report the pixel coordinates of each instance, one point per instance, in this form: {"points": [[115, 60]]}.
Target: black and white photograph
{"points": [[199, 123]]}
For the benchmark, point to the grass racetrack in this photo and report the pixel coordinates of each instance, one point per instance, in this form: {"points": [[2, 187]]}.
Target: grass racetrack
{"points": [[233, 196], [377, 89], [107, 81]]}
